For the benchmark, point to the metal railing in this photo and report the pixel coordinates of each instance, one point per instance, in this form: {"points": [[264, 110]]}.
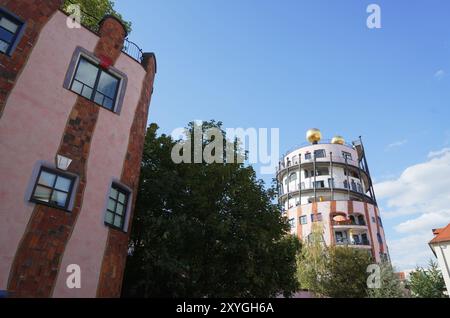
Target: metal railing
{"points": [[349, 242], [131, 49]]}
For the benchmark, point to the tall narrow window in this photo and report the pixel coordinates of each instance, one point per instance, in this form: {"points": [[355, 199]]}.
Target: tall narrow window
{"points": [[117, 207], [10, 31], [95, 84], [308, 156], [53, 188]]}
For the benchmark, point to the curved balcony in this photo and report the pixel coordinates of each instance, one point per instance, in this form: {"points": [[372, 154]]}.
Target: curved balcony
{"points": [[338, 187]]}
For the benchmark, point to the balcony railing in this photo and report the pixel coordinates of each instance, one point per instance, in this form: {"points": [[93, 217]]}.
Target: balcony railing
{"points": [[354, 243], [347, 222], [283, 164]]}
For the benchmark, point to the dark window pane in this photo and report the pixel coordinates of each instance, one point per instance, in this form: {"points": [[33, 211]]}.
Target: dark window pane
{"points": [[77, 87], [86, 92], [121, 197], [3, 46], [107, 85], [99, 98], [118, 221], [108, 103], [59, 198], [63, 184], [47, 179], [109, 217], [42, 194], [120, 209], [8, 25], [114, 193], [86, 73], [6, 36], [111, 205]]}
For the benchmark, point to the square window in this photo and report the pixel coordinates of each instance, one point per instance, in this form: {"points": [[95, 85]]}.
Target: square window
{"points": [[95, 84], [10, 31], [53, 188], [117, 206]]}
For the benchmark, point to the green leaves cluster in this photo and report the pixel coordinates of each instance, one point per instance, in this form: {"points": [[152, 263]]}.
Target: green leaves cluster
{"points": [[92, 11], [206, 230], [332, 271], [427, 283]]}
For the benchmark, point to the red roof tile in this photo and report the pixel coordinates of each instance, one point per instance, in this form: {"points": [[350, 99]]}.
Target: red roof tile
{"points": [[442, 235]]}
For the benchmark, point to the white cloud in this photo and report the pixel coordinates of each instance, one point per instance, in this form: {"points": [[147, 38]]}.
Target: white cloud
{"points": [[422, 188], [425, 222], [396, 144], [422, 192], [439, 74]]}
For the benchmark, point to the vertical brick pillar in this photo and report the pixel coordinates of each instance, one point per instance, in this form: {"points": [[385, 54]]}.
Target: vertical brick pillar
{"points": [[36, 14], [38, 258], [114, 259]]}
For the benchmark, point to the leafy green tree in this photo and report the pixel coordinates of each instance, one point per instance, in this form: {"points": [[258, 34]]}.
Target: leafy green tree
{"points": [[346, 272], [206, 229], [390, 285], [312, 261], [427, 283], [332, 271], [94, 10]]}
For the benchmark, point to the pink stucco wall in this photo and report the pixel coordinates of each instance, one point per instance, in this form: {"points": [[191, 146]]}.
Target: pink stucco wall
{"points": [[32, 125], [31, 129], [108, 149]]}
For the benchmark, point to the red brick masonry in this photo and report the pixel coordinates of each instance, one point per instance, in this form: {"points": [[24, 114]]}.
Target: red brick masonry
{"points": [[38, 258], [115, 256]]}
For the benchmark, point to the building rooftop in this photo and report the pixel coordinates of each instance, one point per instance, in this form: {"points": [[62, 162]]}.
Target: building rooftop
{"points": [[441, 235]]}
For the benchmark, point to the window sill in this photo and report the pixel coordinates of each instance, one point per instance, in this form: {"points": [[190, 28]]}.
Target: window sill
{"points": [[115, 227], [57, 207]]}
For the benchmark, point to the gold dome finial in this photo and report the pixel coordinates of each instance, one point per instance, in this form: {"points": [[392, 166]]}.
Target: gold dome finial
{"points": [[313, 135], [339, 140]]}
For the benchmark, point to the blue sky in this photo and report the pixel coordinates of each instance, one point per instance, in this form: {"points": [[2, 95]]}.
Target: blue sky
{"points": [[299, 64]]}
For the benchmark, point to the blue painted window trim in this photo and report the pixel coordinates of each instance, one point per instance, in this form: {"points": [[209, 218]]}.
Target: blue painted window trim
{"points": [[18, 36]]}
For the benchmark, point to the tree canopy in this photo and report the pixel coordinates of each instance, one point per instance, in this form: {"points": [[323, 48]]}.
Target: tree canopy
{"points": [[206, 229], [94, 10], [427, 282]]}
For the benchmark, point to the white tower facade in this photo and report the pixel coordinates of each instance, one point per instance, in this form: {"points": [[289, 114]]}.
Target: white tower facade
{"points": [[329, 182]]}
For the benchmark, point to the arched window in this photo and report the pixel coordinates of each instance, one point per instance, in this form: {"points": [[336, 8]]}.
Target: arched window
{"points": [[352, 219], [361, 220]]}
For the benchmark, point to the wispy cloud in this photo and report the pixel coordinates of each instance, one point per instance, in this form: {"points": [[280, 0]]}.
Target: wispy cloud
{"points": [[421, 195], [396, 144], [439, 74]]}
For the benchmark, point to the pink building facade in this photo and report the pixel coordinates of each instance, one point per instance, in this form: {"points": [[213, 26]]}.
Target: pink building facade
{"points": [[73, 114], [330, 183]]}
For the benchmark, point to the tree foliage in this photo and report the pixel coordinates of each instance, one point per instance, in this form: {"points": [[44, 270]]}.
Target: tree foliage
{"points": [[92, 11], [206, 230], [427, 283], [332, 271], [390, 285]]}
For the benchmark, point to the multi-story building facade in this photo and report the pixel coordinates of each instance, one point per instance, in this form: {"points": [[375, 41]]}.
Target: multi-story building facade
{"points": [[329, 182], [73, 114]]}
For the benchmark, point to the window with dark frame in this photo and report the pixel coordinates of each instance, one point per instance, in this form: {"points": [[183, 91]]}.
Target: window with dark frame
{"points": [[303, 219], [10, 28], [308, 156], [95, 84], [347, 155], [53, 188], [320, 153], [117, 207]]}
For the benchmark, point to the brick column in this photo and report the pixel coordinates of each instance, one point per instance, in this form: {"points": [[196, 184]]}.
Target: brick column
{"points": [[114, 259], [36, 14], [38, 258]]}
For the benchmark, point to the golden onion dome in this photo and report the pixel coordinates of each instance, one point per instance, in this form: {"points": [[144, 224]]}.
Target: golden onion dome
{"points": [[339, 140], [313, 135]]}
